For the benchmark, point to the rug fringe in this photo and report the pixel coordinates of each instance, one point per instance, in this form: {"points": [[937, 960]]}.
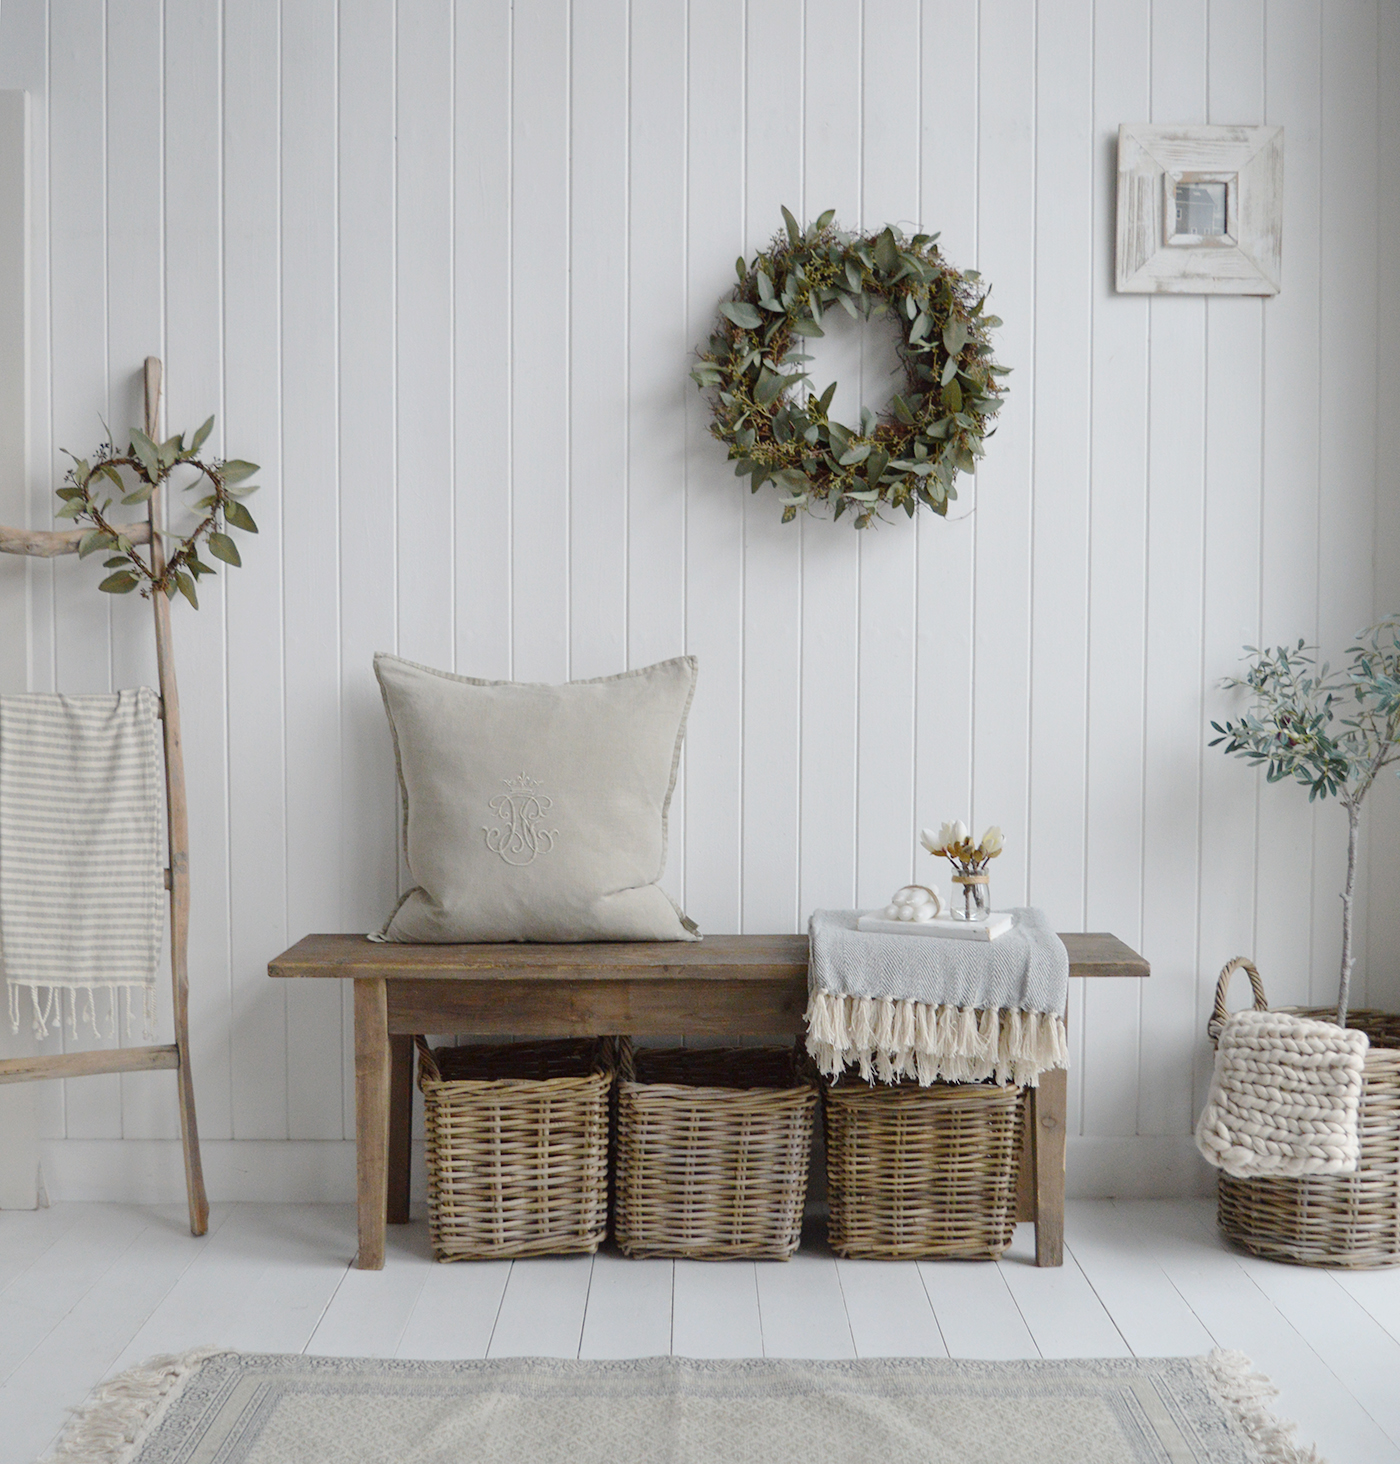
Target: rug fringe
{"points": [[1245, 1395], [118, 1414]]}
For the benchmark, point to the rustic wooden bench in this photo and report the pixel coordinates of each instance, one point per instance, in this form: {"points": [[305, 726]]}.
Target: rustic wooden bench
{"points": [[723, 986]]}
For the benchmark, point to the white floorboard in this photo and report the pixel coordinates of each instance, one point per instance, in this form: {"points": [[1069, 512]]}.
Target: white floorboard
{"points": [[801, 1308], [87, 1290], [543, 1308], [715, 1310], [976, 1312], [1146, 1308], [629, 1308], [456, 1312], [1061, 1310], [1377, 1293], [261, 1284], [888, 1309]]}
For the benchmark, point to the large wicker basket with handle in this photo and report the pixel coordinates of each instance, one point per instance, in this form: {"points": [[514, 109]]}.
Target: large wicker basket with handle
{"points": [[914, 1171], [517, 1147], [1350, 1220], [713, 1149]]}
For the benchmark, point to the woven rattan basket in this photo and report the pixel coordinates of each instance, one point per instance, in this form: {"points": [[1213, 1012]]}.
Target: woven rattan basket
{"points": [[517, 1147], [914, 1171], [1350, 1220], [713, 1148]]}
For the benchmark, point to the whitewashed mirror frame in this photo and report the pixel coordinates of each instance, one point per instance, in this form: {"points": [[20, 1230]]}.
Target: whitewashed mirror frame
{"points": [[1200, 210]]}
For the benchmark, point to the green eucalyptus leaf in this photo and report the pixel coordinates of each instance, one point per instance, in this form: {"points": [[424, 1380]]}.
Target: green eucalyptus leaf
{"points": [[202, 434], [121, 583], [185, 584], [741, 313], [236, 470], [94, 540], [793, 232], [222, 547], [887, 252], [239, 517], [146, 453], [770, 384]]}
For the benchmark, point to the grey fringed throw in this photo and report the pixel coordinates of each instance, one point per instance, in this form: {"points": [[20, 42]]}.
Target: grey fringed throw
{"points": [[894, 1006], [82, 836]]}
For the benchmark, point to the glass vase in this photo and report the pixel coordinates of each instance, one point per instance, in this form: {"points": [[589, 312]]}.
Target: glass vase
{"points": [[972, 899]]}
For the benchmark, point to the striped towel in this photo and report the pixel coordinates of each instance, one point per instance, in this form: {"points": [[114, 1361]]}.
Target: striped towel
{"points": [[81, 854]]}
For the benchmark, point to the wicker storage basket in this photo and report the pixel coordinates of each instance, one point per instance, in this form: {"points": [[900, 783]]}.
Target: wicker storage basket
{"points": [[1348, 1220], [517, 1147], [713, 1148], [914, 1171]]}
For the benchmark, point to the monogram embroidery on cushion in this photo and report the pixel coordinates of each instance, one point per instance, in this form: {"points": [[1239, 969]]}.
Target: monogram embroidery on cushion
{"points": [[518, 838]]}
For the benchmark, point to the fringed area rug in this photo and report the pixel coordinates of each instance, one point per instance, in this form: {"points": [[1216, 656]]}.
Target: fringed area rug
{"points": [[240, 1408]]}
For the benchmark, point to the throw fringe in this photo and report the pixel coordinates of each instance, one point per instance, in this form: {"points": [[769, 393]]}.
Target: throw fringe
{"points": [[120, 1413], [891, 1039], [46, 1006], [1245, 1395]]}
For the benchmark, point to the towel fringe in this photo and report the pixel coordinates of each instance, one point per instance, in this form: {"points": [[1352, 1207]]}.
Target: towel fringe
{"points": [[46, 1007], [893, 1039]]}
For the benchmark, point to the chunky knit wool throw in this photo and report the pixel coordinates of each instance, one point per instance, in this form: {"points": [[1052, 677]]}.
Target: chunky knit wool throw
{"points": [[1285, 1098]]}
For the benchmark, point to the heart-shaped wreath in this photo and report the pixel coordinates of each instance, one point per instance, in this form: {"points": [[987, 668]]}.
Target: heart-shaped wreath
{"points": [[907, 455], [174, 563]]}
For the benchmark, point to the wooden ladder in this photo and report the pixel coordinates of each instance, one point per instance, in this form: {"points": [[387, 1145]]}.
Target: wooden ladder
{"points": [[175, 1055]]}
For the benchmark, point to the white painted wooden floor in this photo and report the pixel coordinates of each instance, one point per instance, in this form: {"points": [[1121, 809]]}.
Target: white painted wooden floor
{"points": [[86, 1290]]}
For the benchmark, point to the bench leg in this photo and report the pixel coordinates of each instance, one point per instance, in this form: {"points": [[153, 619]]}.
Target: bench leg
{"points": [[400, 1126], [372, 1068], [1048, 1114]]}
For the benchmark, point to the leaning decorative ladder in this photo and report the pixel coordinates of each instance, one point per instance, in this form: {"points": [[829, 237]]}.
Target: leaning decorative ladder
{"points": [[46, 545]]}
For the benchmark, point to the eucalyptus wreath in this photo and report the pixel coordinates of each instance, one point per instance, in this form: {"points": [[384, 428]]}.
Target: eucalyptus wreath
{"points": [[175, 564], [907, 455]]}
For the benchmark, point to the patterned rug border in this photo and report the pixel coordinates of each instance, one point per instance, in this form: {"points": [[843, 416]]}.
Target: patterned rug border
{"points": [[122, 1413]]}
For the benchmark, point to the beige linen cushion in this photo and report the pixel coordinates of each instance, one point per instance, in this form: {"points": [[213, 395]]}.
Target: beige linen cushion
{"points": [[536, 812]]}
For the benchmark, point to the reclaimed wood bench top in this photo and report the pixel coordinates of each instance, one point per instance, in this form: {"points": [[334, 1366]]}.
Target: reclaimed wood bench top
{"points": [[749, 958]]}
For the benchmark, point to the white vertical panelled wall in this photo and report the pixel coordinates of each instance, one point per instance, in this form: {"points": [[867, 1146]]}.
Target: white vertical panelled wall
{"points": [[440, 267]]}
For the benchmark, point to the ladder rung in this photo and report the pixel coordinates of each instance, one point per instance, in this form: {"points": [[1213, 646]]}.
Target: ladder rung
{"points": [[86, 1064]]}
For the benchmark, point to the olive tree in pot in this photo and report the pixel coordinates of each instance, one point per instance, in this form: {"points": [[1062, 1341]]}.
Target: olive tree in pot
{"points": [[1331, 732]]}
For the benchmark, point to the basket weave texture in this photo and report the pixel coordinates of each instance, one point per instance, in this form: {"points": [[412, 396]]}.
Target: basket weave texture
{"points": [[913, 1171], [517, 1147], [713, 1148], [1344, 1220]]}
